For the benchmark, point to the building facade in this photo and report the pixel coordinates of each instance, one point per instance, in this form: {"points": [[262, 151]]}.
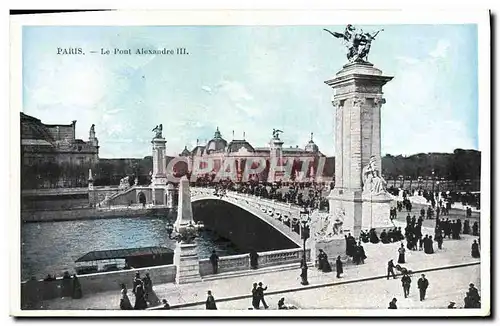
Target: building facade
{"points": [[305, 161], [53, 155]]}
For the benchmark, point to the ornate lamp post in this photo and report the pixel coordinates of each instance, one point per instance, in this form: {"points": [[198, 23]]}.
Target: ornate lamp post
{"points": [[304, 216], [433, 182]]}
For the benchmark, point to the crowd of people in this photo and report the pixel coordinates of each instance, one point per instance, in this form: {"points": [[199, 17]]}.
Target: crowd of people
{"points": [[355, 250], [305, 194], [393, 235], [142, 289]]}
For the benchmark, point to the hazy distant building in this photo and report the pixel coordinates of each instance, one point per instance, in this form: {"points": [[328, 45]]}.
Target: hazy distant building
{"points": [[218, 149], [42, 143]]}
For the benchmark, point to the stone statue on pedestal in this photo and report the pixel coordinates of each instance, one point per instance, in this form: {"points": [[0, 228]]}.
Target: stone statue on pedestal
{"points": [[357, 43], [276, 133], [158, 130], [124, 183], [373, 183]]}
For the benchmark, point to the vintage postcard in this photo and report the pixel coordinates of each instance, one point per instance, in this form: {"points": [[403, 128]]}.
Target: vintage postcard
{"points": [[321, 163]]}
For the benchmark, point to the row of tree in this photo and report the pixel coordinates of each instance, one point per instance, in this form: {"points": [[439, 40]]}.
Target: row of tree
{"points": [[459, 165]]}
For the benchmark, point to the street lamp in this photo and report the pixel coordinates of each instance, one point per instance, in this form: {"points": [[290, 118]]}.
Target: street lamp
{"points": [[304, 216], [433, 182]]}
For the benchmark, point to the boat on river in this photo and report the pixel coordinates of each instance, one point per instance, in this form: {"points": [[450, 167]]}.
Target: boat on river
{"points": [[119, 259]]}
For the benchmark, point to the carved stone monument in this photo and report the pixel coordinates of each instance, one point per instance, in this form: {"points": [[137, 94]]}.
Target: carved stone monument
{"points": [[359, 187], [186, 253]]}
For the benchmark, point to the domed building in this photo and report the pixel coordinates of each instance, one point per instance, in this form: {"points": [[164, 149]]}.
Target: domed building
{"points": [[218, 150], [216, 144], [311, 146]]}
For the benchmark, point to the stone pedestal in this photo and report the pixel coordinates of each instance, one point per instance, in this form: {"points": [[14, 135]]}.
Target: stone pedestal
{"points": [[186, 260], [376, 211], [357, 100], [332, 247]]}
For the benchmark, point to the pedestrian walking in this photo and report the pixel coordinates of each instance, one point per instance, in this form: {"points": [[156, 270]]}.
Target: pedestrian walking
{"points": [[406, 283], [148, 285], [338, 265], [401, 258], [439, 240], [390, 269], [475, 250], [140, 298], [260, 294], [214, 260], [137, 281], [210, 303], [255, 297], [423, 284], [124, 300], [392, 304]]}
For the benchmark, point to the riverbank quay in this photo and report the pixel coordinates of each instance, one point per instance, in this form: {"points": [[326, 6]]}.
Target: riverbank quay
{"points": [[30, 216]]}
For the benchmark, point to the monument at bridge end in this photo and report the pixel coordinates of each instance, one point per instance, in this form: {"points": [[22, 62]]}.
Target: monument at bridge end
{"points": [[359, 198]]}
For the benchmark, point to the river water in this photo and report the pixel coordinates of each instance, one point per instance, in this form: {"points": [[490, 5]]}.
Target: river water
{"points": [[52, 247]]}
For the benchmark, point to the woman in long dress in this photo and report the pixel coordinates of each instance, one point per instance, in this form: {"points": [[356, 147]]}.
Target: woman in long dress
{"points": [[140, 298], [401, 258], [124, 300], [338, 265]]}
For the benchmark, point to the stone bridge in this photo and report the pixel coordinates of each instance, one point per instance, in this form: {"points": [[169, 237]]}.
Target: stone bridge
{"points": [[279, 216]]}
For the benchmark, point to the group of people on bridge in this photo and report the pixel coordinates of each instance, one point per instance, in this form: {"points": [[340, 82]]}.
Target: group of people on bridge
{"points": [[303, 194]]}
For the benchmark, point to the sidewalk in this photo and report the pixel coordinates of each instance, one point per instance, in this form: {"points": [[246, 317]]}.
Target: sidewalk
{"points": [[454, 252]]}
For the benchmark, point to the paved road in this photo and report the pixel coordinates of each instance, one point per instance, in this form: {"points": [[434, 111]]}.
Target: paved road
{"points": [[454, 252], [445, 286]]}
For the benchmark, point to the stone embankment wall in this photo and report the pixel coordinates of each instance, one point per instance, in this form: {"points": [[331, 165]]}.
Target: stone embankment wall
{"points": [[89, 213], [35, 291]]}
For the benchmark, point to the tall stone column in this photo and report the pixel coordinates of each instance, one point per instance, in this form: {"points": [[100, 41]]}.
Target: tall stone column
{"points": [[275, 156], [159, 176], [357, 101]]}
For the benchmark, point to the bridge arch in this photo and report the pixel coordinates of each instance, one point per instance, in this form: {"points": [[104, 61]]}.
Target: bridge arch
{"points": [[141, 198], [264, 227]]}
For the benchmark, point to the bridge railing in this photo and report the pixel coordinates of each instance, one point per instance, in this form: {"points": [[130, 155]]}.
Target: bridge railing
{"points": [[281, 257], [266, 259], [226, 264]]}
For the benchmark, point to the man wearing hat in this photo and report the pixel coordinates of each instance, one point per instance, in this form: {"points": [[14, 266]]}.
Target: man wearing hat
{"points": [[137, 281], [423, 284], [260, 295]]}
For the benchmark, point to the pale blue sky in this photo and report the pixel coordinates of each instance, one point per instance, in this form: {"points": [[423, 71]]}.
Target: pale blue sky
{"points": [[249, 79]]}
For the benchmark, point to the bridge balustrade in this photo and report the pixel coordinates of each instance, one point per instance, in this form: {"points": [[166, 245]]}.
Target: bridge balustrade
{"points": [[281, 257], [266, 259]]}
